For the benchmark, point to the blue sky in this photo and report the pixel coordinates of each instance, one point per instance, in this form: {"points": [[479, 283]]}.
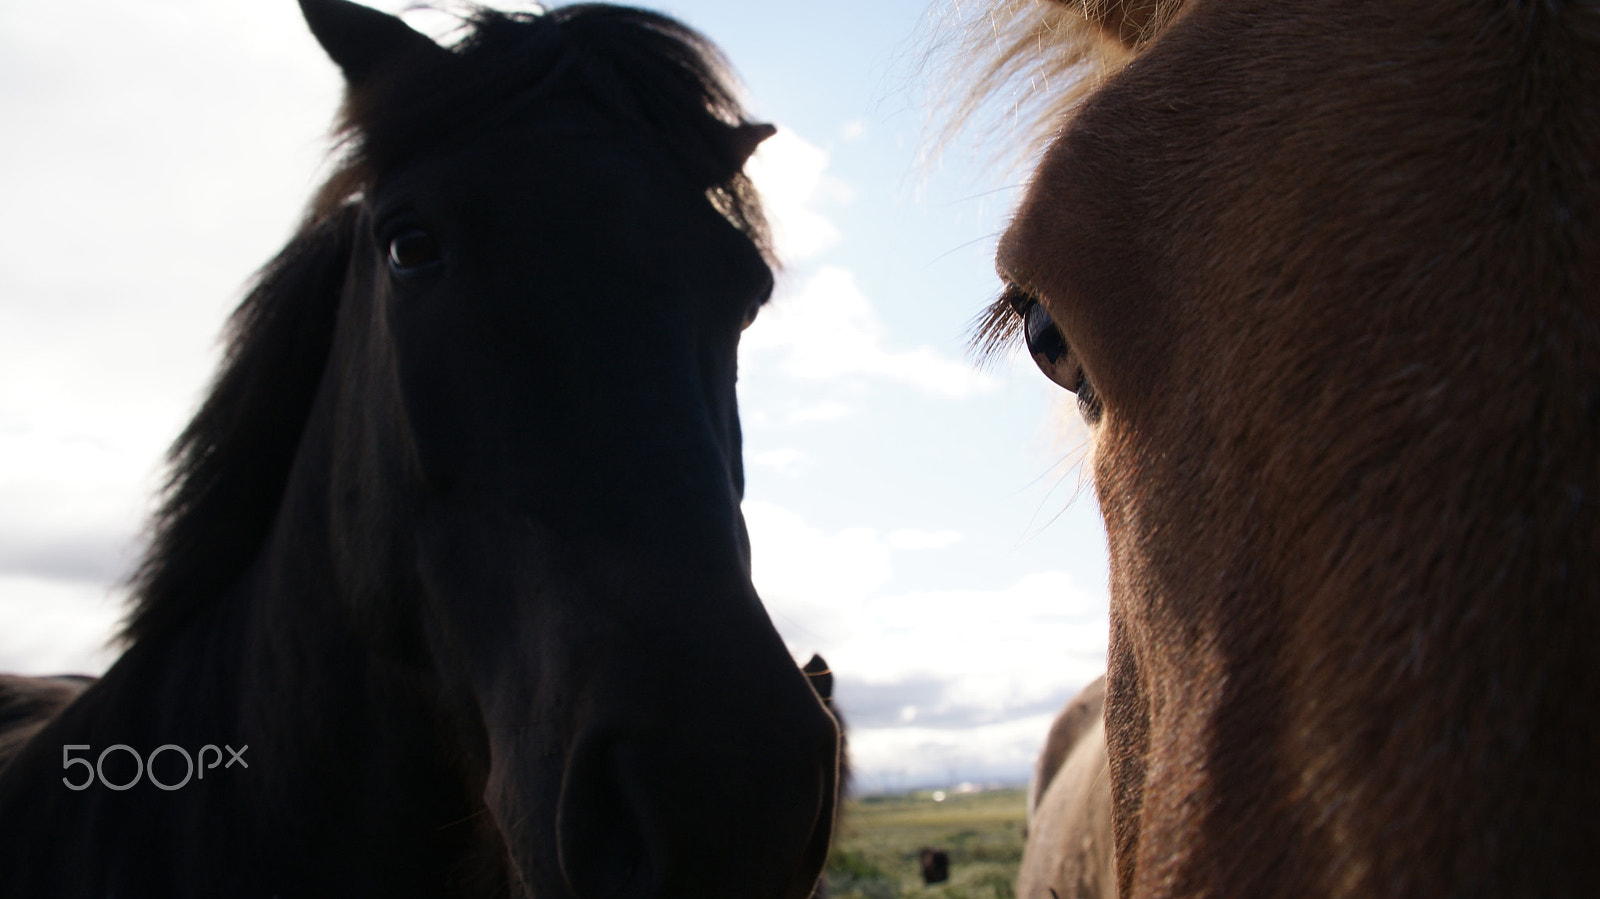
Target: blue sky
{"points": [[912, 517]]}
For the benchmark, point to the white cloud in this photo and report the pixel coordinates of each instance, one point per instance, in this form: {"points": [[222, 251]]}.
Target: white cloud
{"points": [[962, 684], [902, 757], [56, 627], [1009, 644], [786, 462], [792, 176], [911, 538], [794, 560], [143, 186], [829, 411], [64, 475], [954, 670], [829, 330]]}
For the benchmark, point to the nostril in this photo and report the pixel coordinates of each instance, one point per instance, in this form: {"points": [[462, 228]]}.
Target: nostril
{"points": [[600, 847], [699, 809]]}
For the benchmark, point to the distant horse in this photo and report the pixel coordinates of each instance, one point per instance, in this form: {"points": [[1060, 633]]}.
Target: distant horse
{"points": [[935, 865], [1068, 850], [28, 703], [450, 594], [1326, 280], [820, 676]]}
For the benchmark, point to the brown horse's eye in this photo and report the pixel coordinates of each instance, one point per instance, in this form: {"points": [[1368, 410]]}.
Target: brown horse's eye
{"points": [[1045, 343], [1052, 354], [413, 252]]}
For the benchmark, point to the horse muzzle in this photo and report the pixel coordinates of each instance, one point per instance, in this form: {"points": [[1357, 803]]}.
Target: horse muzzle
{"points": [[692, 807]]}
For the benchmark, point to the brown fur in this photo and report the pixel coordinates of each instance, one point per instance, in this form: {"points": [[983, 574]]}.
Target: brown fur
{"points": [[1068, 852], [1333, 270]]}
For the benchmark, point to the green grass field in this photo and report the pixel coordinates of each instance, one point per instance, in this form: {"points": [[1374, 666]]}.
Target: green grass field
{"points": [[876, 856]]}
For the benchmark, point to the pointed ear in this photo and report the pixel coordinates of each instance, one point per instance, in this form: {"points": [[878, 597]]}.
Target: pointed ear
{"points": [[820, 676], [362, 40], [743, 140]]}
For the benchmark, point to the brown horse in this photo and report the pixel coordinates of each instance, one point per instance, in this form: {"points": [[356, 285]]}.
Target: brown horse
{"points": [[1326, 280], [1068, 852]]}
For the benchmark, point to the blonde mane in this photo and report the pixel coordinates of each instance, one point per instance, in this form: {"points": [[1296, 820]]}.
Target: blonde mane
{"points": [[1026, 64], [1019, 68]]}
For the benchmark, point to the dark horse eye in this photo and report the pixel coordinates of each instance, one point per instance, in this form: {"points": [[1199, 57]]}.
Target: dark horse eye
{"points": [[1045, 343], [412, 252], [1051, 353]]}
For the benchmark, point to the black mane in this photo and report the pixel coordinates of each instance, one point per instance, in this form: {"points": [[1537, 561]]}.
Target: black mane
{"points": [[231, 464]]}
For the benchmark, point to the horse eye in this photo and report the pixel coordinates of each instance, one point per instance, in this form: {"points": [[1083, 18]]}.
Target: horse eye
{"points": [[1047, 347], [412, 252]]}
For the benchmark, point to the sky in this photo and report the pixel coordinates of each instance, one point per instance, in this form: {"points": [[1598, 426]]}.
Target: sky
{"points": [[922, 522]]}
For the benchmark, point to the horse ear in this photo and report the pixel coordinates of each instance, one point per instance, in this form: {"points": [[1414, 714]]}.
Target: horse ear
{"points": [[743, 140], [818, 673], [362, 40]]}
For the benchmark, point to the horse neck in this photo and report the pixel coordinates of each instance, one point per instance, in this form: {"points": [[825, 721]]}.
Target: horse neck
{"points": [[337, 682], [370, 743]]}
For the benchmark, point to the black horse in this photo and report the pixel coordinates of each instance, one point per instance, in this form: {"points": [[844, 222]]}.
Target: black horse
{"points": [[449, 594]]}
